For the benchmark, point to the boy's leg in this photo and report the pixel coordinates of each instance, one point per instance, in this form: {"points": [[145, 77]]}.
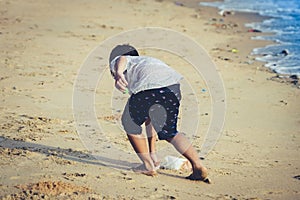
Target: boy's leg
{"points": [[151, 134], [140, 146], [184, 147]]}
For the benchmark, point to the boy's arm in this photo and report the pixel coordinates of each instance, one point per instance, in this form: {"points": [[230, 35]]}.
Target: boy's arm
{"points": [[120, 81]]}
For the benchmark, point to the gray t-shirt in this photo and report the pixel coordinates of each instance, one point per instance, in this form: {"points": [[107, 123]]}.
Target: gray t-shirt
{"points": [[144, 73]]}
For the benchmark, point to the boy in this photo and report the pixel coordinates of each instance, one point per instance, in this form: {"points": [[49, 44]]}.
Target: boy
{"points": [[155, 98]]}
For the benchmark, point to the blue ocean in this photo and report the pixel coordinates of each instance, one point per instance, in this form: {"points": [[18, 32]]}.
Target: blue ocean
{"points": [[283, 26]]}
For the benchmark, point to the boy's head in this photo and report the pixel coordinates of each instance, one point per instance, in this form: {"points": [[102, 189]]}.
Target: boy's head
{"points": [[123, 50]]}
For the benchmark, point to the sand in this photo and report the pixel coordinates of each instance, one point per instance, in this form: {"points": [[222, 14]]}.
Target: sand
{"points": [[44, 44]]}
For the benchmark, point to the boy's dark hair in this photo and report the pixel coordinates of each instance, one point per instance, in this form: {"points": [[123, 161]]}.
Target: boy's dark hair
{"points": [[123, 50]]}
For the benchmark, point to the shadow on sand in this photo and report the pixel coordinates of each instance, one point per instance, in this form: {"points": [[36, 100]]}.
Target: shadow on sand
{"points": [[68, 154]]}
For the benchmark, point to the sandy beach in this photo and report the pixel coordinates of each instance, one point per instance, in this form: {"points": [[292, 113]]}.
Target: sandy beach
{"points": [[43, 156]]}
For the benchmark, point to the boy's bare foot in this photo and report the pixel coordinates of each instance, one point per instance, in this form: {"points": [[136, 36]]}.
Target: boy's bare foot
{"points": [[142, 170], [199, 175]]}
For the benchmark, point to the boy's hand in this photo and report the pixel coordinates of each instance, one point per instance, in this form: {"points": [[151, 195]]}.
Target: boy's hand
{"points": [[120, 82]]}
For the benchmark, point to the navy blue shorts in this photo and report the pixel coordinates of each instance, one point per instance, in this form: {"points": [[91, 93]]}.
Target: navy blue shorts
{"points": [[160, 105]]}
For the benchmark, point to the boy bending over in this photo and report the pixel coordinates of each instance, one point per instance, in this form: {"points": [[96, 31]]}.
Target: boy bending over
{"points": [[154, 100]]}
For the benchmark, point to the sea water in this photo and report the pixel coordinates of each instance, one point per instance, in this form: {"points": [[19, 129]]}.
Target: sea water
{"points": [[283, 25]]}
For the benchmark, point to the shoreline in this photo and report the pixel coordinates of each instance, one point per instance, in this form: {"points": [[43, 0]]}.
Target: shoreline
{"points": [[43, 155], [247, 18], [244, 18]]}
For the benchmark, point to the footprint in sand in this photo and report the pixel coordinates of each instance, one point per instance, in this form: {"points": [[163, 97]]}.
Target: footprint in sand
{"points": [[73, 176], [48, 190], [297, 177], [32, 128]]}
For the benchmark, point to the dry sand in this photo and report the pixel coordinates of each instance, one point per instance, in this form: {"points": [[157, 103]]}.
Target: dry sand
{"points": [[44, 43]]}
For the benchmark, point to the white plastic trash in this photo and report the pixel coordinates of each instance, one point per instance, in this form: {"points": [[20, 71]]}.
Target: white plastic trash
{"points": [[175, 163]]}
